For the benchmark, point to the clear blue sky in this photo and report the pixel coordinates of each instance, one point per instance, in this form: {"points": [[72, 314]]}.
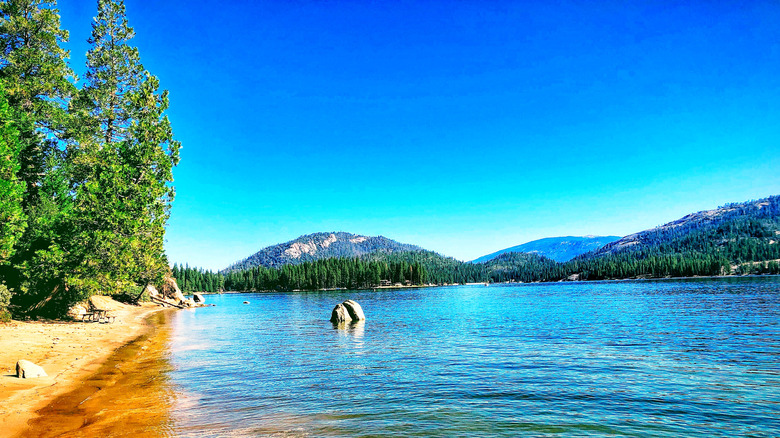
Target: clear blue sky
{"points": [[463, 126]]}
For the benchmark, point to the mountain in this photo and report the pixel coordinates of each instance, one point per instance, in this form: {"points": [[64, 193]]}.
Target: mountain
{"points": [[738, 231], [317, 246], [560, 249]]}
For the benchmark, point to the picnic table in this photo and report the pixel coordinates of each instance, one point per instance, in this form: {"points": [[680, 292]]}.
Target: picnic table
{"points": [[98, 315]]}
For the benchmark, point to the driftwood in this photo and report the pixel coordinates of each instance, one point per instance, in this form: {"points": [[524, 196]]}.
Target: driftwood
{"points": [[167, 303]]}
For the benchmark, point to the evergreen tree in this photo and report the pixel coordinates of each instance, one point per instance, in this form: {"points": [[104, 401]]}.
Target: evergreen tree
{"points": [[34, 69], [36, 74], [123, 163]]}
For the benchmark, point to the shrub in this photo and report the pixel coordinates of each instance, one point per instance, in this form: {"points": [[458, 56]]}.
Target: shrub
{"points": [[5, 300]]}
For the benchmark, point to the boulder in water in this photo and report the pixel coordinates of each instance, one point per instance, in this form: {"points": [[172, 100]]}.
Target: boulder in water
{"points": [[26, 370], [340, 314], [355, 311], [198, 298], [347, 311]]}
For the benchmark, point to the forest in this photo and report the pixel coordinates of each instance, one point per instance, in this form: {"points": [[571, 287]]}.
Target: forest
{"points": [[406, 268], [740, 241], [86, 169]]}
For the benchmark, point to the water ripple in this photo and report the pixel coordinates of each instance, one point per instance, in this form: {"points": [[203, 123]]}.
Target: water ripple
{"points": [[663, 358]]}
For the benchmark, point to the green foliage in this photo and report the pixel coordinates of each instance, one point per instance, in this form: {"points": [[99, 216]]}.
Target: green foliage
{"points": [[12, 217], [97, 169], [370, 270], [36, 75], [122, 167]]}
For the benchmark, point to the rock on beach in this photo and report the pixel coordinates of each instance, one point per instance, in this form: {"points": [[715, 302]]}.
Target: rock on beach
{"points": [[26, 370]]}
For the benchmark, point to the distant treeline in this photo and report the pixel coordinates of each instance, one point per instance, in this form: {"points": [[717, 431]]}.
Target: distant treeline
{"points": [[746, 238], [350, 273]]}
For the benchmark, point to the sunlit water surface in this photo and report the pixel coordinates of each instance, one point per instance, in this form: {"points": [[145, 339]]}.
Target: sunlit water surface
{"points": [[641, 358]]}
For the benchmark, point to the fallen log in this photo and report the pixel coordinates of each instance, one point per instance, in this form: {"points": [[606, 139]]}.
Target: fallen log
{"points": [[167, 303]]}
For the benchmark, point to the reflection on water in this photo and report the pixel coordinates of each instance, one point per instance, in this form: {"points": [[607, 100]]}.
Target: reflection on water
{"points": [[130, 395]]}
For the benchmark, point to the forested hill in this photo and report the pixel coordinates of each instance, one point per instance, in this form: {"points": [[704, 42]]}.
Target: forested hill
{"points": [[560, 249], [739, 232], [734, 239], [318, 246]]}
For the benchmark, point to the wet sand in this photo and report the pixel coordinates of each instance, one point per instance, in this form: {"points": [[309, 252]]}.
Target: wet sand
{"points": [[88, 366]]}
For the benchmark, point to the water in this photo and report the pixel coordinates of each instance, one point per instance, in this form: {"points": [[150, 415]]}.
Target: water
{"points": [[662, 358]]}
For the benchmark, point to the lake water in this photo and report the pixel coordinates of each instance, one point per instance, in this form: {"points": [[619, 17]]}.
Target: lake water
{"points": [[642, 358]]}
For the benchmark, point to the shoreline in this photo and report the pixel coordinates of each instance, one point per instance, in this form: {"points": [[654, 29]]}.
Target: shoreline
{"points": [[423, 286], [69, 352]]}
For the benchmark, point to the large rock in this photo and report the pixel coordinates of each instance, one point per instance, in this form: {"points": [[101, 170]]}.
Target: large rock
{"points": [[151, 290], [346, 312], [27, 370], [103, 302], [198, 298], [171, 290], [77, 311], [340, 314], [355, 311]]}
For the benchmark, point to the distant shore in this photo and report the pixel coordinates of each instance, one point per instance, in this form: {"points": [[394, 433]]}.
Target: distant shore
{"points": [[69, 352], [422, 286]]}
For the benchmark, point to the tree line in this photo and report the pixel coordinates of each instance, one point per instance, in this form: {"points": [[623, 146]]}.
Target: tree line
{"points": [[743, 242], [351, 273], [86, 170]]}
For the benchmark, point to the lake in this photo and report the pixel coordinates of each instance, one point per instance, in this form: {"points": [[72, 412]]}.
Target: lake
{"points": [[629, 358]]}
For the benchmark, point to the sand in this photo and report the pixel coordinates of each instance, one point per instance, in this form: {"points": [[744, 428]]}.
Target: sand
{"points": [[69, 352]]}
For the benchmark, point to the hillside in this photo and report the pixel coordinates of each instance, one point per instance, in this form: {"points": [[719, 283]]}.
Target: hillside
{"points": [[739, 231], [560, 249], [317, 246], [738, 239]]}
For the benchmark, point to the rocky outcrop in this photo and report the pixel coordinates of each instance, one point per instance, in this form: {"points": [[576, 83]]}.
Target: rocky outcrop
{"points": [[27, 370], [198, 298], [171, 295], [170, 290], [346, 312], [151, 290]]}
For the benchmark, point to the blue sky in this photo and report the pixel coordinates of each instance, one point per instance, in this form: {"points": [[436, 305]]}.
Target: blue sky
{"points": [[464, 127]]}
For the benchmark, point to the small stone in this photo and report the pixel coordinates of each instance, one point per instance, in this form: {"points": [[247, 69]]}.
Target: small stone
{"points": [[26, 370]]}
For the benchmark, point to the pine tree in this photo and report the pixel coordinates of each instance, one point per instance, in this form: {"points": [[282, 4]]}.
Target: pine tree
{"points": [[34, 68], [36, 76], [122, 164]]}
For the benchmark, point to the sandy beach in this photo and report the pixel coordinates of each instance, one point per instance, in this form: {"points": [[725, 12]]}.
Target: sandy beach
{"points": [[69, 352]]}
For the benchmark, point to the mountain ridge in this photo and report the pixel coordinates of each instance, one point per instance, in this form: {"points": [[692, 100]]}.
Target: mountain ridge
{"points": [[700, 221], [560, 249], [321, 245]]}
